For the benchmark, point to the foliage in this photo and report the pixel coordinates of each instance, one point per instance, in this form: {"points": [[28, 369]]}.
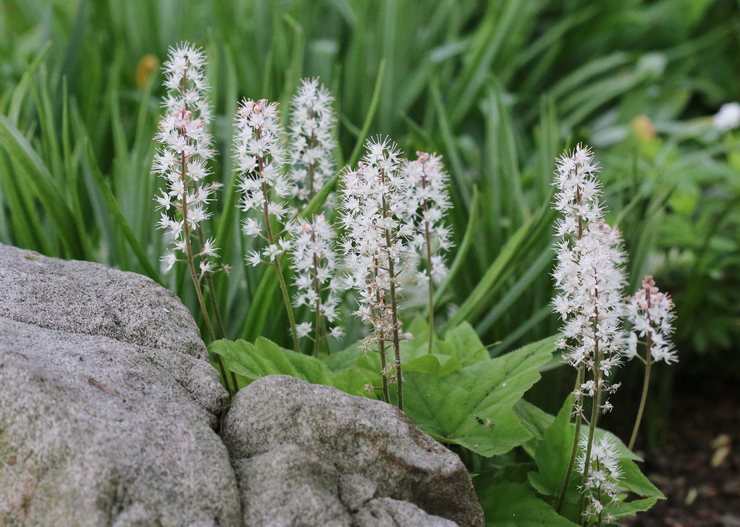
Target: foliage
{"points": [[497, 90], [461, 396]]}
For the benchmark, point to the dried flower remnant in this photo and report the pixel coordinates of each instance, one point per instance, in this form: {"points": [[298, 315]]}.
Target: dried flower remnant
{"points": [[312, 140], [182, 161], [428, 197], [376, 220], [314, 265], [650, 312], [259, 158]]}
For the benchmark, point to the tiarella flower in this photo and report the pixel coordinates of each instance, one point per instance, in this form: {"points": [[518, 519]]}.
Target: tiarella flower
{"points": [[577, 197], [376, 221], [650, 312], [428, 197], [259, 158], [312, 141], [590, 278], [182, 159], [314, 264], [602, 485]]}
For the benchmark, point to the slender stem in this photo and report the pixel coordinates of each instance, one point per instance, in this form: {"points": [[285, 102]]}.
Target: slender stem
{"points": [[276, 260], [394, 305], [193, 272], [286, 301], [381, 350], [594, 404], [645, 387], [431, 283], [317, 306], [574, 447], [579, 398]]}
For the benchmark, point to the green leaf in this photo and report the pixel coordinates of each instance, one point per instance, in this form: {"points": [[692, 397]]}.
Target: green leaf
{"points": [[463, 343], [515, 505], [472, 406], [635, 481], [252, 361]]}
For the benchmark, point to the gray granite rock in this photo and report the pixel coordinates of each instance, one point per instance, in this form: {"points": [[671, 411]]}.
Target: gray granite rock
{"points": [[310, 455], [108, 404]]}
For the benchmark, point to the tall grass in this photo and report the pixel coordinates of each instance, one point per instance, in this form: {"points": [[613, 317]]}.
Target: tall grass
{"points": [[498, 88]]}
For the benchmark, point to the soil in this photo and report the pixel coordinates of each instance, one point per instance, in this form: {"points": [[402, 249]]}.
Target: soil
{"points": [[698, 468]]}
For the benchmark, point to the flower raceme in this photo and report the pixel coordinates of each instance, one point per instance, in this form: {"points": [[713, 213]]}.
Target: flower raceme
{"points": [[602, 487], [182, 159], [589, 280], [650, 312], [378, 227], [426, 181], [259, 158], [589, 276], [312, 142], [182, 162], [314, 263]]}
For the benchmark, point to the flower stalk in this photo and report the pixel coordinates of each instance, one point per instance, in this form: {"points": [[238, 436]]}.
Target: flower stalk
{"points": [[182, 162], [650, 312]]}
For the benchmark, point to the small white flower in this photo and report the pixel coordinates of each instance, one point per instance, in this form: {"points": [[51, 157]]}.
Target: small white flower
{"points": [[303, 329], [312, 142], [259, 158], [426, 182], [182, 160], [375, 217], [728, 117], [650, 312], [314, 264], [589, 273], [603, 486], [168, 261]]}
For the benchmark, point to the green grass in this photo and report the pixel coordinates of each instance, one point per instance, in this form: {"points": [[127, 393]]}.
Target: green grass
{"points": [[498, 88]]}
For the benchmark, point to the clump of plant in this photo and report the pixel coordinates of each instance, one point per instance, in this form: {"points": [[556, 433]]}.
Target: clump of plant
{"points": [[385, 236]]}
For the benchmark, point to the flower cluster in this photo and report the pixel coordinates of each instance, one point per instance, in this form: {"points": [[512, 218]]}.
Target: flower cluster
{"points": [[650, 312], [314, 264], [375, 218], [182, 159], [589, 277], [259, 157], [312, 141], [426, 180], [602, 484], [577, 198]]}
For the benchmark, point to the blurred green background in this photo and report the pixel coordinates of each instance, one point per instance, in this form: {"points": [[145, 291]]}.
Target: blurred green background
{"points": [[499, 88]]}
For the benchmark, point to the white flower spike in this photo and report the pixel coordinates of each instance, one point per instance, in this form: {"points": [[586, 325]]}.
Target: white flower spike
{"points": [[312, 142]]}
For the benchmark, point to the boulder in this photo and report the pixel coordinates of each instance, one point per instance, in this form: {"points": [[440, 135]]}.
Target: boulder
{"points": [[306, 454], [108, 402]]}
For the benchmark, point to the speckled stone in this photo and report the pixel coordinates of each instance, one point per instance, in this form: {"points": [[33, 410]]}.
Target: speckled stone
{"points": [[307, 451], [108, 404]]}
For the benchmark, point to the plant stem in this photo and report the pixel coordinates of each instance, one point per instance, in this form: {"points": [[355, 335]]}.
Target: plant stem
{"points": [[576, 436], [276, 259], [191, 267], [645, 384], [594, 406], [394, 305], [431, 283], [381, 350], [317, 306]]}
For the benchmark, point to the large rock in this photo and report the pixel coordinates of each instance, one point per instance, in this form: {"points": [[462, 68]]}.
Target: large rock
{"points": [[310, 455], [108, 402]]}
